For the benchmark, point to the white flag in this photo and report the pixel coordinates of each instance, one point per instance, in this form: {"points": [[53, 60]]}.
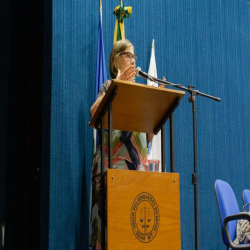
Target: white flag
{"points": [[154, 150]]}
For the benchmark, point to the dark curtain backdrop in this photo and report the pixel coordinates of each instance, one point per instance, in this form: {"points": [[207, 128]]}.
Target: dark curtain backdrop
{"points": [[21, 73], [203, 43], [4, 75]]}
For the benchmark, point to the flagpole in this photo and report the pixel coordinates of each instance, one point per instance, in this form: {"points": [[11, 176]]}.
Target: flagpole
{"points": [[101, 77], [100, 8]]}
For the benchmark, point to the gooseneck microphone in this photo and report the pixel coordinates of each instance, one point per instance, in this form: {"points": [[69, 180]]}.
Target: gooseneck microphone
{"points": [[139, 72]]}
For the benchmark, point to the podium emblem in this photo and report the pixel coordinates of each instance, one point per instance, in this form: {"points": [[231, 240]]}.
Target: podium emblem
{"points": [[145, 217]]}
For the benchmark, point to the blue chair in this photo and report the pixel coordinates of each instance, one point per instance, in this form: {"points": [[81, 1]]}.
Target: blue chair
{"points": [[246, 200], [229, 214]]}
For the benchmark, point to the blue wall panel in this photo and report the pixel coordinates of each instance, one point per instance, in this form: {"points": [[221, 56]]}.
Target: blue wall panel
{"points": [[203, 43]]}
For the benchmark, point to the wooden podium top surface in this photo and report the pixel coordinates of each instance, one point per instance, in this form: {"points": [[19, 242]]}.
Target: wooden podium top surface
{"points": [[137, 107]]}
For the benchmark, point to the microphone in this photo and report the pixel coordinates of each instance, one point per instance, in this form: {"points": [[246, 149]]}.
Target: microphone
{"points": [[139, 72]]}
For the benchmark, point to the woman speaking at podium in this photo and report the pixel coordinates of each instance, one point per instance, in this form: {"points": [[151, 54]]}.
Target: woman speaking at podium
{"points": [[129, 148]]}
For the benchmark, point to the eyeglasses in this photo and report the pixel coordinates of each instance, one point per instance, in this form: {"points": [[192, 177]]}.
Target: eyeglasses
{"points": [[129, 56]]}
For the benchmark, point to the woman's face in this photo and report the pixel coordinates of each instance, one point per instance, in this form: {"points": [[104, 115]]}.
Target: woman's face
{"points": [[126, 58]]}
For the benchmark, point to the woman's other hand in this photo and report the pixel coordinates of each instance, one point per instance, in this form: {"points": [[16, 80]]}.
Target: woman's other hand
{"points": [[161, 85]]}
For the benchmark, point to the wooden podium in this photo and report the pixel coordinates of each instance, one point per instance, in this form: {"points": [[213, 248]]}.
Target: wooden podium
{"points": [[137, 107], [143, 208]]}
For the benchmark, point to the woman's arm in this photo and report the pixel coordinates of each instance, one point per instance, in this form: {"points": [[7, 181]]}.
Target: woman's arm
{"points": [[100, 96], [96, 105]]}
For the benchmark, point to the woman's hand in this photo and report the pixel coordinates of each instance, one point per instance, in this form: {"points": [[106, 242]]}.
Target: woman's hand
{"points": [[161, 85], [127, 75]]}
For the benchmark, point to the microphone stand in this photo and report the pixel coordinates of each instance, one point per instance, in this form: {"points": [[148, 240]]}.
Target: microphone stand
{"points": [[192, 98]]}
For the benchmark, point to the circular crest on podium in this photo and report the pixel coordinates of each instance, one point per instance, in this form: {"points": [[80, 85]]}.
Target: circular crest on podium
{"points": [[145, 217]]}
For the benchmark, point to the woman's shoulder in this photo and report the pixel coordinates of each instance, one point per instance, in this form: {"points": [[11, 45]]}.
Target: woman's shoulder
{"points": [[107, 83], [105, 87]]}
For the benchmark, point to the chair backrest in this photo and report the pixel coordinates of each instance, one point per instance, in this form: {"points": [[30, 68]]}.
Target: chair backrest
{"points": [[227, 205], [246, 199]]}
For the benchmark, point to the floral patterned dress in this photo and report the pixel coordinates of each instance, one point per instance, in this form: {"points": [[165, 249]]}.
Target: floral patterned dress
{"points": [[129, 152]]}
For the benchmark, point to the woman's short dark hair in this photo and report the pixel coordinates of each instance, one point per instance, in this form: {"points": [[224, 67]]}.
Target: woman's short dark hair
{"points": [[119, 46]]}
